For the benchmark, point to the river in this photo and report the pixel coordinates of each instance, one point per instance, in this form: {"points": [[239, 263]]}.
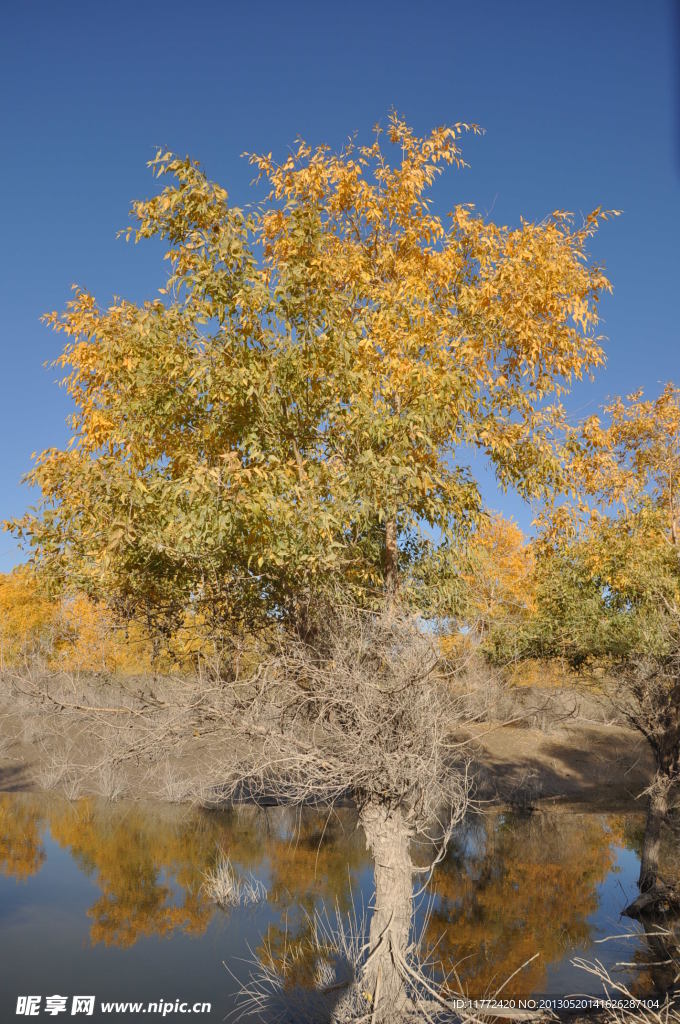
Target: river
{"points": [[107, 899]]}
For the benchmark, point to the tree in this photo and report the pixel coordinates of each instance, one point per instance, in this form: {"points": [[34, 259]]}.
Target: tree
{"points": [[494, 583], [298, 401], [28, 619], [293, 416], [364, 717], [71, 633], [495, 599], [609, 595]]}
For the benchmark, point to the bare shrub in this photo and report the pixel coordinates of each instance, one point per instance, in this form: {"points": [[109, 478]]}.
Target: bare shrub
{"points": [[32, 726], [368, 717], [631, 1009], [50, 774], [490, 697], [526, 792], [7, 741], [172, 787], [82, 745], [56, 774], [228, 889], [336, 948], [334, 945], [72, 785], [362, 715], [110, 782]]}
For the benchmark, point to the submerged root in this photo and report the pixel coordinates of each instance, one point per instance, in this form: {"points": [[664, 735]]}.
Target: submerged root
{"points": [[658, 902]]}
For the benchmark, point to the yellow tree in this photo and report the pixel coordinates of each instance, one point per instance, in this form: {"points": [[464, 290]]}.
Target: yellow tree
{"points": [[494, 584], [497, 598], [296, 409], [497, 574], [28, 618], [297, 403], [72, 634], [610, 593]]}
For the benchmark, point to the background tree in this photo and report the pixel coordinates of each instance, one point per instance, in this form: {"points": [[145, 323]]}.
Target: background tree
{"points": [[608, 597], [73, 634], [299, 400], [494, 584], [28, 619], [494, 597]]}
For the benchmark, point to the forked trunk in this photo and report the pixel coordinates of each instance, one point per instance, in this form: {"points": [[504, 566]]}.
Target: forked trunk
{"points": [[651, 846], [383, 978]]}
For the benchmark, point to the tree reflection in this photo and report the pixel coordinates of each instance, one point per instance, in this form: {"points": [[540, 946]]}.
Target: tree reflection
{"points": [[149, 861], [317, 868], [513, 886], [21, 827], [658, 962], [509, 887], [148, 866]]}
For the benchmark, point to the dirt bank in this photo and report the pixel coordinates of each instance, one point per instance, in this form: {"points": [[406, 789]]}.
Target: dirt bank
{"points": [[602, 766]]}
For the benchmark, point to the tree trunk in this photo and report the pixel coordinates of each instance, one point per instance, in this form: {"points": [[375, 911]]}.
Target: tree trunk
{"points": [[663, 947], [656, 815], [391, 559], [388, 839]]}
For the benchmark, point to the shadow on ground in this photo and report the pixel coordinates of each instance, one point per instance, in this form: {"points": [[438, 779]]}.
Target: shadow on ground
{"points": [[14, 778], [606, 767]]}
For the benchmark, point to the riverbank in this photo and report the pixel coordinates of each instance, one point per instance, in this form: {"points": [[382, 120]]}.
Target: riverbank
{"points": [[605, 767], [598, 765]]}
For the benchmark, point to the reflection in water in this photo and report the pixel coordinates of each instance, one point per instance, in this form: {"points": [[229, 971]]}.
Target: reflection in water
{"points": [[657, 961], [141, 862], [21, 825], [510, 885], [150, 861]]}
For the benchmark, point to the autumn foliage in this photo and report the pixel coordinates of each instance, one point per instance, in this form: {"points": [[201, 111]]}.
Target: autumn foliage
{"points": [[70, 633], [297, 404]]}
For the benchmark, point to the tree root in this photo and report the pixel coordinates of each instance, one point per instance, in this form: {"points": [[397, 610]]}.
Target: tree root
{"points": [[660, 901]]}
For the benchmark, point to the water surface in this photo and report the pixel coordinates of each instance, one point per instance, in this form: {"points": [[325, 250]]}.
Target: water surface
{"points": [[106, 899]]}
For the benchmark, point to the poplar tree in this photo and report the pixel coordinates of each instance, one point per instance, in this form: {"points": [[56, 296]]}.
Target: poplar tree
{"points": [[299, 403]]}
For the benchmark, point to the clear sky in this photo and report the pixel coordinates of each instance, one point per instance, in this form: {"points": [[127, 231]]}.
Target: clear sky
{"points": [[579, 100]]}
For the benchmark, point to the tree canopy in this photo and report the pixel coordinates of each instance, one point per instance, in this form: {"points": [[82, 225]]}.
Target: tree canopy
{"points": [[611, 588], [300, 402], [608, 595]]}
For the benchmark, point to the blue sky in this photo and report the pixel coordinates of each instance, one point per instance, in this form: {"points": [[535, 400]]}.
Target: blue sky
{"points": [[579, 100]]}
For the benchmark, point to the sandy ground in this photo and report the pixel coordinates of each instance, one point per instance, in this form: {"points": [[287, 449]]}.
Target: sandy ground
{"points": [[606, 767]]}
